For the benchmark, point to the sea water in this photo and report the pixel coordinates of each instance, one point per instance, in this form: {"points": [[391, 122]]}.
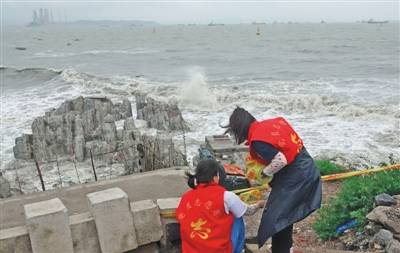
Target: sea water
{"points": [[337, 84]]}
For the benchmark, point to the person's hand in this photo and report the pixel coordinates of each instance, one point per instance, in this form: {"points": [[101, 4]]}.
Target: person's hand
{"points": [[261, 203], [254, 182]]}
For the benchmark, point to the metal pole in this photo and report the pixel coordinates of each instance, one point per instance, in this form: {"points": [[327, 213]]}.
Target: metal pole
{"points": [[94, 170], [76, 170], [59, 173], [17, 178], [184, 145], [40, 175]]}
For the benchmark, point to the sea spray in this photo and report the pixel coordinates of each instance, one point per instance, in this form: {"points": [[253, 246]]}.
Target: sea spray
{"points": [[196, 92]]}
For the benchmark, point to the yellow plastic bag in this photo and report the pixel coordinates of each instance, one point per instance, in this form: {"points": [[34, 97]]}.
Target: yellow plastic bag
{"points": [[253, 172]]}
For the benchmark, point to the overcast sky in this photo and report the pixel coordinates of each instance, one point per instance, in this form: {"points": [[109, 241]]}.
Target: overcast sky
{"points": [[222, 11]]}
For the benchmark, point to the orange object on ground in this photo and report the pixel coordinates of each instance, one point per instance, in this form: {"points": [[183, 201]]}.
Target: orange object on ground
{"points": [[233, 169]]}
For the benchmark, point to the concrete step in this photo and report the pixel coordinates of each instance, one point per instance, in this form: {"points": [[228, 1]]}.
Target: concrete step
{"points": [[253, 248]]}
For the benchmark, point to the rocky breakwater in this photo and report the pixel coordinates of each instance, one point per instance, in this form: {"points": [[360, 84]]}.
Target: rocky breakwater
{"points": [[382, 233], [160, 115], [73, 129], [92, 132]]}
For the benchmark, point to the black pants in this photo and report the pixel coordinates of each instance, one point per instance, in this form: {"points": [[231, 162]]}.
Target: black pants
{"points": [[282, 241]]}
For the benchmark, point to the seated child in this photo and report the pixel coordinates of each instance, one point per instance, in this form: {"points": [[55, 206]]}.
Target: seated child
{"points": [[206, 213]]}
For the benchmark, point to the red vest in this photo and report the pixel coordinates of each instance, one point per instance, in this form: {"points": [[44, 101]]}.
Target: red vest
{"points": [[279, 134], [205, 227]]}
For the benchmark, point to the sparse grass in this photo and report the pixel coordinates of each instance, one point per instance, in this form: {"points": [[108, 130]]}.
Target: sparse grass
{"points": [[354, 201]]}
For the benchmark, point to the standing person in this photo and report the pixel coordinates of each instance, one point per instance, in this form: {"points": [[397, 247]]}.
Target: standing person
{"points": [[296, 184], [206, 212]]}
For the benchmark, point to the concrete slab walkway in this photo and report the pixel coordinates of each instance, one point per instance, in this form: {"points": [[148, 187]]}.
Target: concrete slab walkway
{"points": [[164, 183]]}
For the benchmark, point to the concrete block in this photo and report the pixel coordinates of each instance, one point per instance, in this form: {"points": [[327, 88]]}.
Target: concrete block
{"points": [[168, 204], [84, 233], [15, 240], [171, 237], [48, 227], [113, 219], [148, 248], [146, 217], [223, 144]]}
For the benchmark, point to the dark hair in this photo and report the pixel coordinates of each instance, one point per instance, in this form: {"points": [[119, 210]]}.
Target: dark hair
{"points": [[206, 170], [239, 124]]}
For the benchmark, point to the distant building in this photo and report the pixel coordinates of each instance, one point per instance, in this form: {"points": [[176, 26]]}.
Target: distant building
{"points": [[42, 17]]}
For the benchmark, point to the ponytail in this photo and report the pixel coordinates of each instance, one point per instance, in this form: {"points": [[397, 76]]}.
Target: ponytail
{"points": [[190, 180], [205, 171]]}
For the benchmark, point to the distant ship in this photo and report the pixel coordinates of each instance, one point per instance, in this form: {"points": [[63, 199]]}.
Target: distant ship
{"points": [[258, 23], [214, 24], [371, 21]]}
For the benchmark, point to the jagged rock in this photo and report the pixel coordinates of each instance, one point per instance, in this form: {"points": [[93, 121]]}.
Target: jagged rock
{"points": [[65, 138], [22, 149], [141, 124], [159, 152], [131, 140], [129, 124], [122, 110], [393, 247], [378, 246], [79, 148], [120, 134], [385, 200], [66, 129], [355, 242], [372, 228], [78, 127], [160, 115], [383, 237], [98, 148], [5, 190], [389, 217], [109, 133], [109, 119]]}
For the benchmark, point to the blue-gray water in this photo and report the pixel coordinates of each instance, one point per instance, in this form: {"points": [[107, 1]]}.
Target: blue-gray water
{"points": [[338, 84]]}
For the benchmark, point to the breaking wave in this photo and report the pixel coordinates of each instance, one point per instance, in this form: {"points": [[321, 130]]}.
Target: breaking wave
{"points": [[317, 104], [14, 78], [196, 91], [198, 94], [39, 73], [353, 124]]}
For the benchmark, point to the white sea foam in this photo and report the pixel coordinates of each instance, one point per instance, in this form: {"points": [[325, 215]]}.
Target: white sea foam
{"points": [[196, 92], [326, 122]]}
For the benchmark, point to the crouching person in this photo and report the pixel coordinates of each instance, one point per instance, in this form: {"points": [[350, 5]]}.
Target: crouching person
{"points": [[207, 212]]}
